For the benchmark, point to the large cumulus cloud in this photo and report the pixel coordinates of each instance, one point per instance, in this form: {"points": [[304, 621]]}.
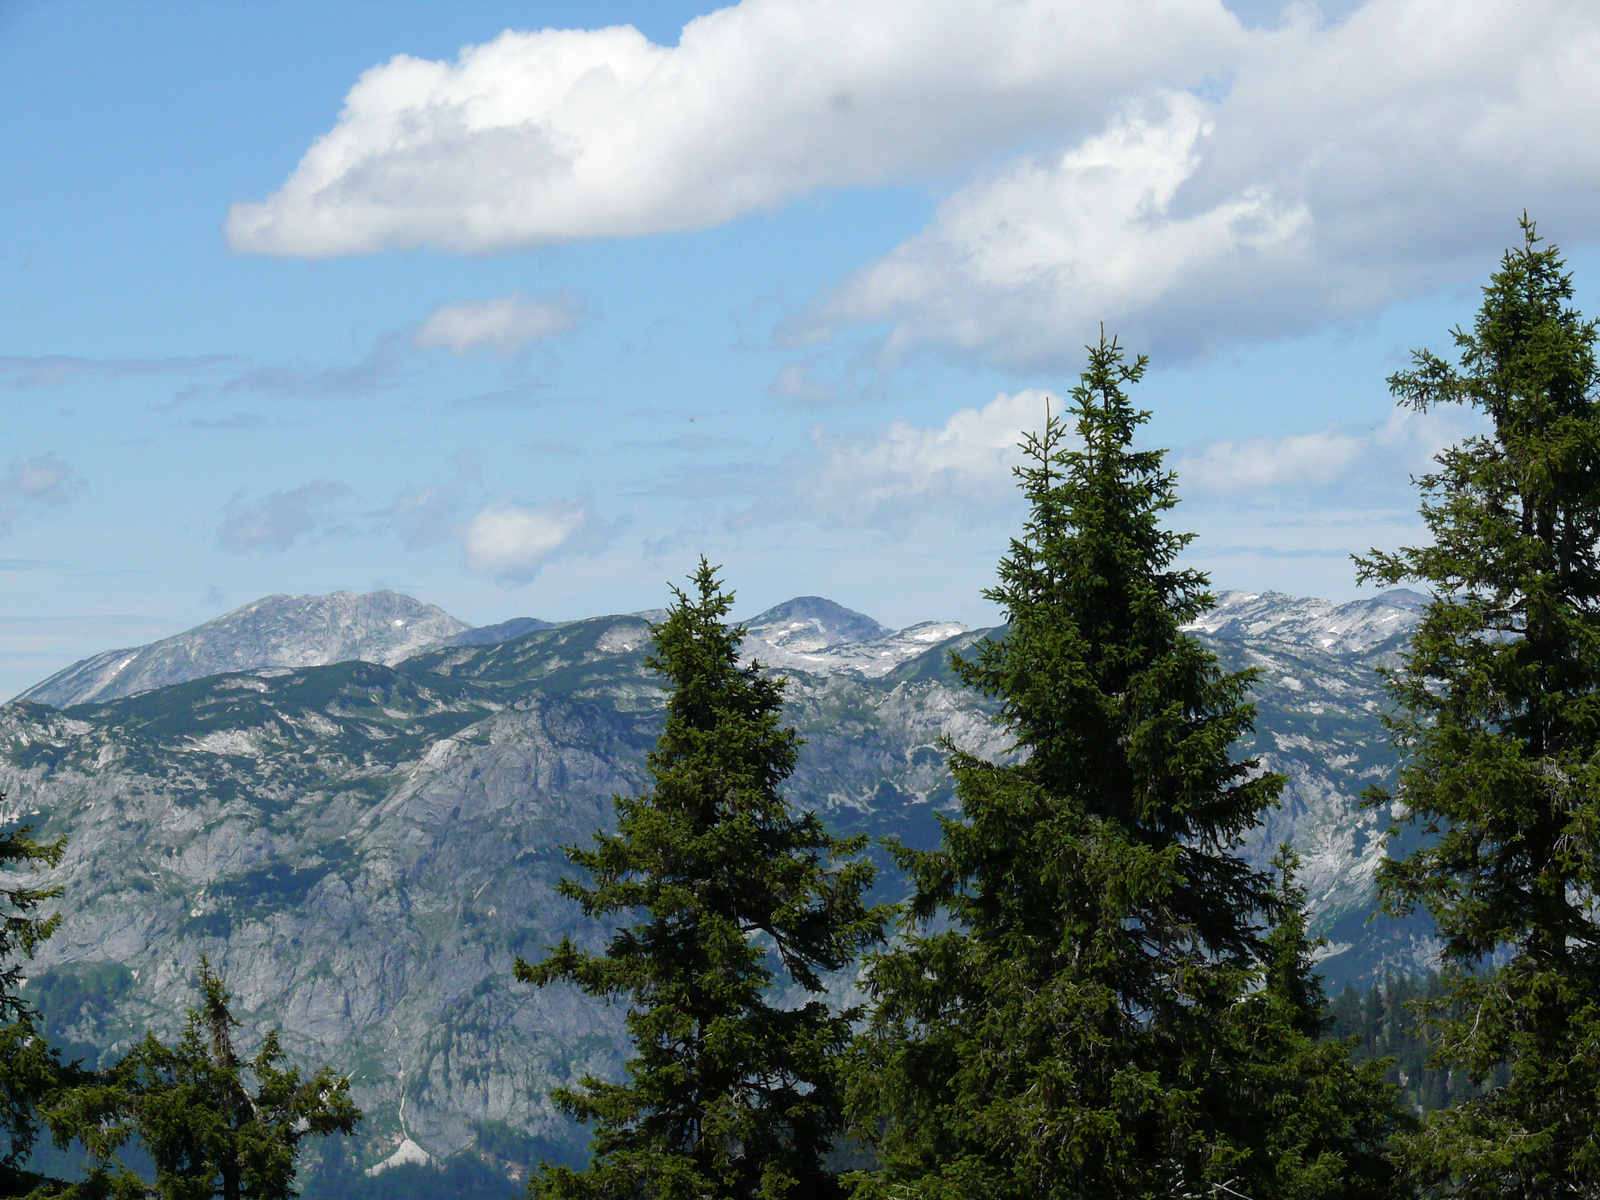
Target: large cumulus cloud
{"points": [[557, 135], [1153, 163]]}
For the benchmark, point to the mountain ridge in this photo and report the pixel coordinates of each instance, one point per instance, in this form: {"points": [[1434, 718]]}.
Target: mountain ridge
{"points": [[810, 633], [275, 632], [363, 848]]}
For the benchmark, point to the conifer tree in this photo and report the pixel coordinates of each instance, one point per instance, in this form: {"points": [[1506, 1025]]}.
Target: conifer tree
{"points": [[29, 1068], [1056, 1019], [1498, 720], [189, 1106], [729, 1094]]}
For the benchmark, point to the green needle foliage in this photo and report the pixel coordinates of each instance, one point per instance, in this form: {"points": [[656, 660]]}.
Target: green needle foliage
{"points": [[189, 1106], [21, 927], [1308, 1120], [29, 1068], [1498, 717], [729, 1095], [1061, 1018]]}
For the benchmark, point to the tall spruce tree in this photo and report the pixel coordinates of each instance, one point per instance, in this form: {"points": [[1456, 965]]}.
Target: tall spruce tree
{"points": [[1498, 719], [729, 1094], [1058, 1018]]}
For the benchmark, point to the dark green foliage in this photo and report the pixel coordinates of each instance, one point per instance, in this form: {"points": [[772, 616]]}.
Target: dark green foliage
{"points": [[21, 926], [189, 1107], [29, 1068], [1306, 1119], [1389, 1020], [728, 1093], [1067, 1013], [1498, 717]]}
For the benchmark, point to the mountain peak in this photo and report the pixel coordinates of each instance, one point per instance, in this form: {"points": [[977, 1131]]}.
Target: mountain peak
{"points": [[809, 623], [277, 631]]}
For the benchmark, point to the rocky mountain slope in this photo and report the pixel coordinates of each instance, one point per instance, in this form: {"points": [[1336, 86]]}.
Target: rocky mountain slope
{"points": [[1354, 628], [364, 848], [279, 632]]}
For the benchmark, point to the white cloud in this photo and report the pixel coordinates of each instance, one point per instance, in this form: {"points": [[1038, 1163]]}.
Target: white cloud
{"points": [[1337, 458], [1329, 169], [559, 135], [1022, 266], [32, 483], [905, 469], [509, 542], [508, 324], [278, 520], [1345, 168]]}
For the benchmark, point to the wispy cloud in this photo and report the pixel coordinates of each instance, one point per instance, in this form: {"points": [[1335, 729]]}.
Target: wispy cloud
{"points": [[563, 449], [277, 520], [798, 382], [52, 370], [427, 515], [380, 369], [513, 397], [506, 324], [239, 421], [1335, 459], [42, 481], [893, 476]]}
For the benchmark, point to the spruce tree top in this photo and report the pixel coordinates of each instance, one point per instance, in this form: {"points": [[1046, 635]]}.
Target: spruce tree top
{"points": [[1067, 1029], [1500, 694], [1120, 711]]}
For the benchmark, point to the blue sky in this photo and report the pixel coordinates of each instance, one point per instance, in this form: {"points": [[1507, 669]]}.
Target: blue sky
{"points": [[524, 321]]}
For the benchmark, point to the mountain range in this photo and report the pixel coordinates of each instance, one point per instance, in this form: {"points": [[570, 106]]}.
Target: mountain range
{"points": [[355, 805]]}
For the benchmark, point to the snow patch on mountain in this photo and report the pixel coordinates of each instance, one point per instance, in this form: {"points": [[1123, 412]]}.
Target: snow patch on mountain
{"points": [[810, 623], [1356, 627], [820, 637]]}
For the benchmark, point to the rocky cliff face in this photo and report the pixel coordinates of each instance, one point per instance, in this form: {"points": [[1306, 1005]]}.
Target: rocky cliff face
{"points": [[363, 849]]}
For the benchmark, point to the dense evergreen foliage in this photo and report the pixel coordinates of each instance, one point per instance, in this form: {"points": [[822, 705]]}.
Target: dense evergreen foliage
{"points": [[1499, 722], [188, 1107], [29, 1068], [1069, 1012], [729, 1093], [1305, 1115]]}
